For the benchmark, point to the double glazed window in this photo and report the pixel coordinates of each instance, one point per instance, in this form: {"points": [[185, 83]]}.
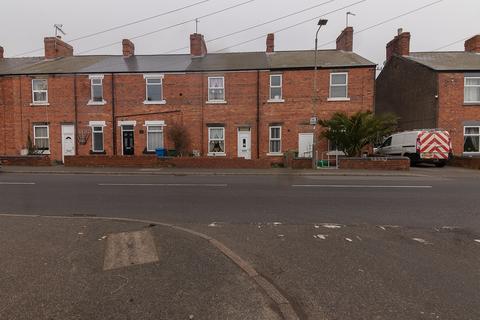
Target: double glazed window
{"points": [[275, 139], [154, 137], [96, 84], [216, 89], [339, 85], [472, 89], [276, 87], [216, 140], [40, 91], [154, 89], [41, 139], [97, 139], [471, 139]]}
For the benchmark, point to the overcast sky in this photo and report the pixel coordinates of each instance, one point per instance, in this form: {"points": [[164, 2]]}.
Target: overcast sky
{"points": [[24, 23]]}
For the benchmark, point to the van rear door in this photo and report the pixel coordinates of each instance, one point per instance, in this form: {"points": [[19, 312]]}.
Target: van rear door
{"points": [[434, 145]]}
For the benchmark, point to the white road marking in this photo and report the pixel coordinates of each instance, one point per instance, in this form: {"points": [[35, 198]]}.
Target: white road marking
{"points": [[163, 184], [423, 241], [355, 186], [16, 183]]}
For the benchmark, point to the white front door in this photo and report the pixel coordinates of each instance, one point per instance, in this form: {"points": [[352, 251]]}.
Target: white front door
{"points": [[68, 140], [305, 145], [244, 143]]}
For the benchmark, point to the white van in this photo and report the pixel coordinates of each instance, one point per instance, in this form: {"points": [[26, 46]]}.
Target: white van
{"points": [[427, 146]]}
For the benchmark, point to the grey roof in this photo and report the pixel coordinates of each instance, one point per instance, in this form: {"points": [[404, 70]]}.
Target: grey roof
{"points": [[183, 62], [447, 61]]}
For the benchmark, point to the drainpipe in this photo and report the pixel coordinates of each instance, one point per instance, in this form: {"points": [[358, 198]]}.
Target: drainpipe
{"points": [[75, 106], [202, 77], [258, 114], [114, 127]]}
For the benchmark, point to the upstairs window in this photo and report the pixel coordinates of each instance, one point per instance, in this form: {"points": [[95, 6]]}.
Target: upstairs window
{"points": [[41, 138], [276, 87], [39, 91], [216, 141], [471, 140], [472, 89], [96, 84], [216, 89], [339, 86], [154, 89], [275, 139]]}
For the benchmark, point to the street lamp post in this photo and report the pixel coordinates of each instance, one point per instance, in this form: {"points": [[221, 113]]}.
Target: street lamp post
{"points": [[321, 23]]}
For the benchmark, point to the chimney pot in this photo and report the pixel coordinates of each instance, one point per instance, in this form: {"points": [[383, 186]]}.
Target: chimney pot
{"points": [[473, 44], [56, 48], [198, 47], [345, 40], [128, 48], [270, 43], [1, 52], [400, 45], [399, 31]]}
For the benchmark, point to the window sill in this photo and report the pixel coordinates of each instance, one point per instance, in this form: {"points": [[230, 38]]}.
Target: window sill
{"points": [[338, 99], [39, 104], [275, 154], [155, 102], [96, 103], [98, 152], [472, 153], [41, 152], [217, 154], [216, 102], [275, 100], [471, 104]]}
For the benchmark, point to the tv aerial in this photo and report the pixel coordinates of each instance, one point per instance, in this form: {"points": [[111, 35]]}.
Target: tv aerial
{"points": [[58, 29]]}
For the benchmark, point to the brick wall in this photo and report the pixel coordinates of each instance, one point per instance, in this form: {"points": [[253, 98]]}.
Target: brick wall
{"points": [[375, 163], [186, 98], [153, 162], [32, 161], [465, 162]]}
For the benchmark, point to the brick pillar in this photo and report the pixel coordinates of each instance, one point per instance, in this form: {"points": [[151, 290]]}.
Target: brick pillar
{"points": [[345, 40], [56, 48], [1, 52], [400, 45], [198, 47], [128, 48], [270, 43], [473, 44]]}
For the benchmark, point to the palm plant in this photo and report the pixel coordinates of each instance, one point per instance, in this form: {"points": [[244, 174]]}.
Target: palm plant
{"points": [[352, 133]]}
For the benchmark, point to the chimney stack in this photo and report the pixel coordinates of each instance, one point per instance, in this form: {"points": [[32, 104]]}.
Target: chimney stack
{"points": [[473, 44], [270, 43], [56, 48], [1, 52], [400, 45], [345, 40], [198, 48], [128, 48]]}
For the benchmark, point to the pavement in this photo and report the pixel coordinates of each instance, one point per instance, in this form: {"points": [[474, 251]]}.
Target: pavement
{"points": [[68, 269]]}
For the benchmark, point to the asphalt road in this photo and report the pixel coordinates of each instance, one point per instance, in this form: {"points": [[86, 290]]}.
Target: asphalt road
{"points": [[343, 247], [425, 201]]}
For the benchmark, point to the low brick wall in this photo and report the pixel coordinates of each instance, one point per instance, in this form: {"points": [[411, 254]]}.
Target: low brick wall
{"points": [[301, 163], [154, 162], [375, 163], [465, 162], [33, 161]]}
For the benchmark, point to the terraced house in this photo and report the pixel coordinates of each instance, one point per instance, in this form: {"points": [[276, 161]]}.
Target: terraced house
{"points": [[247, 104]]}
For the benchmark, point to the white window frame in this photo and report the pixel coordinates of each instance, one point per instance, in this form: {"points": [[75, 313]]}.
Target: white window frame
{"points": [[40, 91], [96, 124], [470, 86], [44, 151], [271, 98], [346, 98], [470, 135], [210, 88], [270, 139], [93, 77], [156, 77], [149, 124], [224, 143]]}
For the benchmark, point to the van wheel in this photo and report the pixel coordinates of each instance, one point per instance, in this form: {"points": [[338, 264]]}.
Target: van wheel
{"points": [[440, 164], [413, 159]]}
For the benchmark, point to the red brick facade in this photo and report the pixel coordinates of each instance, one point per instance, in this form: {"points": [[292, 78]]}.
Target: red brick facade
{"points": [[185, 94]]}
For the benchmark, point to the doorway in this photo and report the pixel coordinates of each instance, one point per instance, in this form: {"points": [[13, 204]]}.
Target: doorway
{"points": [[244, 143], [128, 142], [68, 140]]}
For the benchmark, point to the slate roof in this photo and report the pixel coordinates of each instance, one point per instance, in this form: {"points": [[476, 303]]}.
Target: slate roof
{"points": [[183, 62], [447, 61]]}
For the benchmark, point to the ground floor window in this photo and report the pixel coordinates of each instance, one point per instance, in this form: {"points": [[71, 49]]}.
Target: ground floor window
{"points": [[216, 140], [275, 139], [154, 137], [471, 139], [97, 139], [41, 139]]}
